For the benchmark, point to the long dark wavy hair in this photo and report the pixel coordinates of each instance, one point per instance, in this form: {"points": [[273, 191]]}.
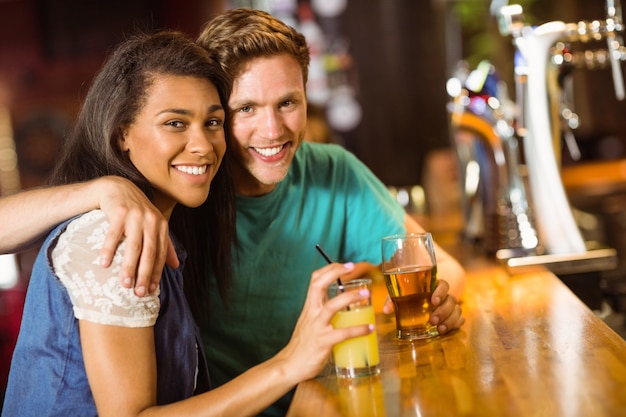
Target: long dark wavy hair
{"points": [[114, 100]]}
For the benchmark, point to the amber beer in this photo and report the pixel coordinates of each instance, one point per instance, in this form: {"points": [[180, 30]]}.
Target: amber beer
{"points": [[411, 292], [410, 268]]}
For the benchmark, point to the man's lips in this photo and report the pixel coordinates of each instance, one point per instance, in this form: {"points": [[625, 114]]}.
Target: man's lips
{"points": [[269, 152]]}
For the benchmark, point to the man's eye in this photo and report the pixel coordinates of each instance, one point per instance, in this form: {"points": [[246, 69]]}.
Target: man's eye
{"points": [[246, 109]]}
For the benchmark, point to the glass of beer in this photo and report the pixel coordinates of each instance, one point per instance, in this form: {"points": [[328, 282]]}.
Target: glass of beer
{"points": [[410, 271], [358, 356]]}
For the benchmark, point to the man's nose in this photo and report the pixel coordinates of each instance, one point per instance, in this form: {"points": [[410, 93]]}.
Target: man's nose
{"points": [[272, 124]]}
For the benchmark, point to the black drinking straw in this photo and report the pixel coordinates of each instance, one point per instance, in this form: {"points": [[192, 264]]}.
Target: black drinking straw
{"points": [[320, 250]]}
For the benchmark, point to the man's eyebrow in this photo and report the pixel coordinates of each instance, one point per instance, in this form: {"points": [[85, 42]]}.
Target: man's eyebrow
{"points": [[243, 102], [291, 95]]}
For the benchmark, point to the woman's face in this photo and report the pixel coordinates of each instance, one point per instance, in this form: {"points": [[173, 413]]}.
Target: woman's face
{"points": [[177, 140]]}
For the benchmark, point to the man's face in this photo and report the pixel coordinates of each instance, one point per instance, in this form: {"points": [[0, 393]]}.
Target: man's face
{"points": [[268, 118]]}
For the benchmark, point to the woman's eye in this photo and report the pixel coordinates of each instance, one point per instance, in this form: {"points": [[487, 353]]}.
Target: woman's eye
{"points": [[175, 123], [214, 122]]}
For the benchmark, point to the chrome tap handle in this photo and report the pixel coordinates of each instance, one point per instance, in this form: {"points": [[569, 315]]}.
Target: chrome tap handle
{"points": [[616, 68], [511, 20], [614, 22], [613, 9]]}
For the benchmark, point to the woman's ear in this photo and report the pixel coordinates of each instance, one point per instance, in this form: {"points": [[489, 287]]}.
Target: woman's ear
{"points": [[121, 140]]}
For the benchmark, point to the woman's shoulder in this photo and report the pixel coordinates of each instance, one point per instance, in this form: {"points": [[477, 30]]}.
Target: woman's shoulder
{"points": [[93, 223], [76, 249], [96, 292], [84, 235]]}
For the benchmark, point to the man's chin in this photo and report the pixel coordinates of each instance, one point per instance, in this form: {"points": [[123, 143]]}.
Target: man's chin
{"points": [[258, 182], [268, 172], [272, 179]]}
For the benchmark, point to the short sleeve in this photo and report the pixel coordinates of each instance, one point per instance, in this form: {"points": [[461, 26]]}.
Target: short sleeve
{"points": [[97, 293], [372, 212]]}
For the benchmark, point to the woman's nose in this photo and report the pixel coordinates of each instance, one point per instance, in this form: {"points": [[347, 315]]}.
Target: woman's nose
{"points": [[200, 141]]}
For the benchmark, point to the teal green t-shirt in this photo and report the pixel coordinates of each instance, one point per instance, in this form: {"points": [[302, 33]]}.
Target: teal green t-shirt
{"points": [[328, 197]]}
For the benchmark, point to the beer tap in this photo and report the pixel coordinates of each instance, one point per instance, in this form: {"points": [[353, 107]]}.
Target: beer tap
{"points": [[539, 61], [543, 63], [614, 25]]}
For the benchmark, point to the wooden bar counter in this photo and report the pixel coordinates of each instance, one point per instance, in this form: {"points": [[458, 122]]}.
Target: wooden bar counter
{"points": [[529, 347]]}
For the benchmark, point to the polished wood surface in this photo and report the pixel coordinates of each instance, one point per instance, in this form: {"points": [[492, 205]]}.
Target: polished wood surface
{"points": [[529, 347]]}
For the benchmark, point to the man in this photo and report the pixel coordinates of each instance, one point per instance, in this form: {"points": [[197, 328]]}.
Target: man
{"points": [[291, 196]]}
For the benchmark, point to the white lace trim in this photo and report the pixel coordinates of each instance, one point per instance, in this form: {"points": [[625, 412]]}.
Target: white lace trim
{"points": [[96, 292]]}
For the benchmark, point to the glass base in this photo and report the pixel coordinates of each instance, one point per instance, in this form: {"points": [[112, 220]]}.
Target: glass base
{"points": [[417, 333], [357, 372]]}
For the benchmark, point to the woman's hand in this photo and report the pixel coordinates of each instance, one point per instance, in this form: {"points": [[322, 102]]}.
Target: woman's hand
{"points": [[314, 336]]}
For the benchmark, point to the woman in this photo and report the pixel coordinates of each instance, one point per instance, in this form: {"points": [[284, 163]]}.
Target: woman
{"points": [[154, 115]]}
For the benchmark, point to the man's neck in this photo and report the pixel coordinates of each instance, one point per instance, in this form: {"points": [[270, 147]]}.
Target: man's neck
{"points": [[248, 186]]}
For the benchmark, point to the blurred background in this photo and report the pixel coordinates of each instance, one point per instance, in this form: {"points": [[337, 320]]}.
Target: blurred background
{"points": [[377, 86]]}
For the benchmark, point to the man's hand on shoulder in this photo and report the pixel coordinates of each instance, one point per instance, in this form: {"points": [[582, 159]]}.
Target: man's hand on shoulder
{"points": [[133, 218]]}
